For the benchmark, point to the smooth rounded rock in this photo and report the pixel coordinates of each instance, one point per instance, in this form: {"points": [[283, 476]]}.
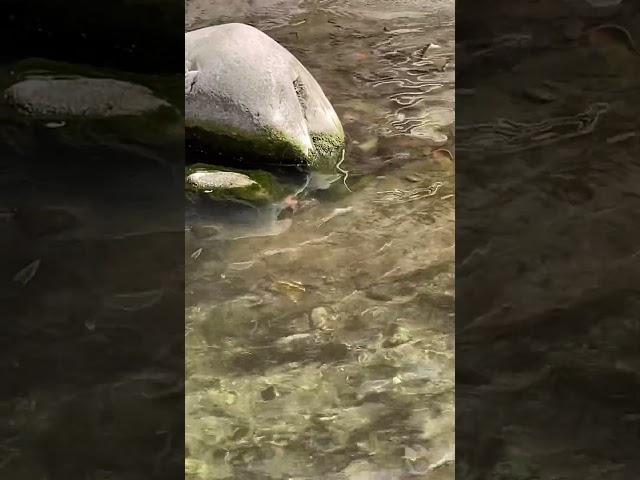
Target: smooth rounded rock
{"points": [[246, 91], [597, 8], [222, 183], [219, 179], [81, 97]]}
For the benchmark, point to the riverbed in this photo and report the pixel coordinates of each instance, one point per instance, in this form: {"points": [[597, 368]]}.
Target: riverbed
{"points": [[326, 351]]}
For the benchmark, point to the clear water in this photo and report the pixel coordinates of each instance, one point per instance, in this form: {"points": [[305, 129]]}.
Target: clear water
{"points": [[326, 351]]}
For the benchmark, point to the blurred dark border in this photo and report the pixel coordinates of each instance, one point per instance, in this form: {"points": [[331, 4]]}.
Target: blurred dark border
{"points": [[92, 234], [133, 35], [547, 210]]}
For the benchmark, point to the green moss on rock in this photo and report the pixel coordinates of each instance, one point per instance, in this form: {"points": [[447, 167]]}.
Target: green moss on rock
{"points": [[327, 152], [269, 145]]}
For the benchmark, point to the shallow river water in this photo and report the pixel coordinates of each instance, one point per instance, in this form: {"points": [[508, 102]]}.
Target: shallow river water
{"points": [[327, 351]]}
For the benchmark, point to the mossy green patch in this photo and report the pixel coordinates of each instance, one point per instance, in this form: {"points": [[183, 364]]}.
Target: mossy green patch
{"points": [[327, 151], [269, 145]]}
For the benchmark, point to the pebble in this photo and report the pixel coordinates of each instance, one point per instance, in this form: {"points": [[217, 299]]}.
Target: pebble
{"points": [[369, 145], [540, 95], [205, 231], [219, 179], [378, 293], [296, 339], [320, 318], [269, 393], [414, 178]]}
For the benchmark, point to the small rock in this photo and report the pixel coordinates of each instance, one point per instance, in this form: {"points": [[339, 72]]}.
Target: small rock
{"points": [[540, 95], [379, 293], [296, 340], [395, 335], [55, 124], [269, 393], [414, 178], [320, 318], [332, 352], [194, 467], [442, 159], [301, 324], [369, 145], [289, 206], [218, 179], [441, 63], [219, 183], [202, 232]]}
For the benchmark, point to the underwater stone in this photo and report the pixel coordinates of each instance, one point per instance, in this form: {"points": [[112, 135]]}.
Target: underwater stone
{"points": [[220, 183], [219, 179], [246, 91], [81, 97]]}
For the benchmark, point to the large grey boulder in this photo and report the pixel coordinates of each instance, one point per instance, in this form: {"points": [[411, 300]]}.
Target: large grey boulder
{"points": [[244, 92]]}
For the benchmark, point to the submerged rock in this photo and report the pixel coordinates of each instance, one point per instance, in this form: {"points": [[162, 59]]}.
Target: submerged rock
{"points": [[77, 105], [247, 94], [81, 97], [227, 203], [219, 180], [218, 183]]}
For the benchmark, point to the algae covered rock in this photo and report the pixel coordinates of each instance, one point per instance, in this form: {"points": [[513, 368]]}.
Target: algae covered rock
{"points": [[247, 95], [222, 183]]}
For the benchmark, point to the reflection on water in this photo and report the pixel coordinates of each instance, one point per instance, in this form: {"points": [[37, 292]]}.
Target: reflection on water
{"points": [[326, 352]]}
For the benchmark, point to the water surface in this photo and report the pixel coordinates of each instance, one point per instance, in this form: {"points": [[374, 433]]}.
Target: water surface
{"points": [[326, 351], [546, 219]]}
